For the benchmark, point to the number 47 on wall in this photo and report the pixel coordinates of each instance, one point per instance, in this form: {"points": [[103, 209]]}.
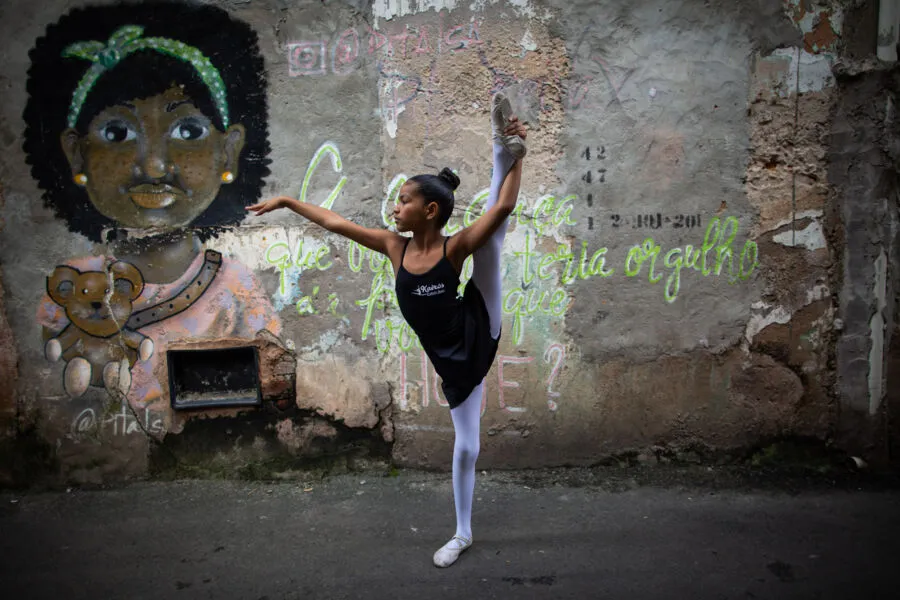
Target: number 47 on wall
{"points": [[600, 154], [589, 176]]}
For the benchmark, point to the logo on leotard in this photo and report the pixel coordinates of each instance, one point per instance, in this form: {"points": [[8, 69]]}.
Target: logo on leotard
{"points": [[429, 290]]}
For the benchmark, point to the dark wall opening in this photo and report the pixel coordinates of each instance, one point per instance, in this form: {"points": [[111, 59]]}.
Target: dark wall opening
{"points": [[214, 377]]}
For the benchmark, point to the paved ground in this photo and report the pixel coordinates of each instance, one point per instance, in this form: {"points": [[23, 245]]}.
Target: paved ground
{"points": [[538, 535]]}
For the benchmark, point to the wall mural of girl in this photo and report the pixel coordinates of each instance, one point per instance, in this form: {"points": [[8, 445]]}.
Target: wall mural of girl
{"points": [[146, 129]]}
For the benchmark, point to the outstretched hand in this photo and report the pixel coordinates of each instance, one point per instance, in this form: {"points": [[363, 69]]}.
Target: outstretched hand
{"points": [[515, 128], [268, 205]]}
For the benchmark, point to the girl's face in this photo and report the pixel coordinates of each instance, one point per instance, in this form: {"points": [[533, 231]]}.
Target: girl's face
{"points": [[410, 212], [153, 163]]}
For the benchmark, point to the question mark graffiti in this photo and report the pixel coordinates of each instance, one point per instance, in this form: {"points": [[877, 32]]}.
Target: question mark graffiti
{"points": [[560, 352]]}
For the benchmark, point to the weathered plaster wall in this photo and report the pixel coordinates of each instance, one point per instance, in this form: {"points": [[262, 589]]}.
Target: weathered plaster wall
{"points": [[8, 361], [789, 113], [863, 167], [670, 275]]}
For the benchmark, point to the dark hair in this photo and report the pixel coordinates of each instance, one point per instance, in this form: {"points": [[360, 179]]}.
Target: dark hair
{"points": [[231, 46], [438, 188]]}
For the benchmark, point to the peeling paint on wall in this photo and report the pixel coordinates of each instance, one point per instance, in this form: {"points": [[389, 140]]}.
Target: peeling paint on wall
{"points": [[814, 214], [390, 9], [820, 22], [764, 315], [810, 237], [806, 72]]}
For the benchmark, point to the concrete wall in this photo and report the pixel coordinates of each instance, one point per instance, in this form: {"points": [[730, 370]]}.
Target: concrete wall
{"points": [[863, 161], [670, 276]]}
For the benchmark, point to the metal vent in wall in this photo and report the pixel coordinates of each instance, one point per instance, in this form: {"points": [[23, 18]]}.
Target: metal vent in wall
{"points": [[214, 377]]}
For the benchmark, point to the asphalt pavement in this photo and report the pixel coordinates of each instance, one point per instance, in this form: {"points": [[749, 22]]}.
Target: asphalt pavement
{"points": [[368, 535]]}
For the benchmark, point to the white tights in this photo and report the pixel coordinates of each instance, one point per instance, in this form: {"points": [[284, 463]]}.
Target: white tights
{"points": [[467, 416]]}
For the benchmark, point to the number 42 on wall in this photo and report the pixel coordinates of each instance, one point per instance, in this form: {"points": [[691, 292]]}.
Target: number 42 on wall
{"points": [[599, 154]]}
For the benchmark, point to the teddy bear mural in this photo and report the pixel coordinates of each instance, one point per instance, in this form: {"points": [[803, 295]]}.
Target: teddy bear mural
{"points": [[98, 305], [146, 129]]}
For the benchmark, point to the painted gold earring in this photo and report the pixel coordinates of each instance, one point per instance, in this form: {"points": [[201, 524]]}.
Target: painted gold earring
{"points": [[227, 177], [81, 179]]}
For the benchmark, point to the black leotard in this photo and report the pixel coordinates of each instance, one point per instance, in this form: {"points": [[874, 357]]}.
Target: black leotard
{"points": [[455, 331]]}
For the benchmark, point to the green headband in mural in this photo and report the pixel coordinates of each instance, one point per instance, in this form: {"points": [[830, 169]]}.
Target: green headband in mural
{"points": [[127, 40]]}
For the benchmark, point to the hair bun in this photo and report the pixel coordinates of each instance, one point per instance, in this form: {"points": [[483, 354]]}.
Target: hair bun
{"points": [[450, 177]]}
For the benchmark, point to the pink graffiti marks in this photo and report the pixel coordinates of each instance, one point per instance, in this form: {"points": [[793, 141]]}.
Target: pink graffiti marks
{"points": [[422, 45], [578, 88], [400, 43], [343, 54], [428, 385], [306, 58], [576, 91], [458, 37], [555, 354], [441, 400], [506, 383], [615, 76], [426, 380], [405, 383]]}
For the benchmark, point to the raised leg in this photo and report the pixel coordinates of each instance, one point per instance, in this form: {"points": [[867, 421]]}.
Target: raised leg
{"points": [[486, 260]]}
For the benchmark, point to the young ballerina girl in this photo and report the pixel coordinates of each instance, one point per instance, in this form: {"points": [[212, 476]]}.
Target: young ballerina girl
{"points": [[460, 335]]}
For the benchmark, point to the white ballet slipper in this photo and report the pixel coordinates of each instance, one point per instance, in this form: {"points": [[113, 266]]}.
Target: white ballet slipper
{"points": [[501, 111], [450, 551]]}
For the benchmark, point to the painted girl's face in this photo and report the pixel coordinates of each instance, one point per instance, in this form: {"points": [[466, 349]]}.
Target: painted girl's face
{"points": [[153, 163]]}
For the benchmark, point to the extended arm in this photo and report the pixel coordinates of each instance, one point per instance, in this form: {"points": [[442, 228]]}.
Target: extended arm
{"points": [[379, 240]]}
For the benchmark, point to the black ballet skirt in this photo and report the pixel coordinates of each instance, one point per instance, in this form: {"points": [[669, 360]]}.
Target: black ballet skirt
{"points": [[454, 331]]}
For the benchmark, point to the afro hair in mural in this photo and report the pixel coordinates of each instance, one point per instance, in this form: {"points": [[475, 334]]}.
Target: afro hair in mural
{"points": [[212, 58]]}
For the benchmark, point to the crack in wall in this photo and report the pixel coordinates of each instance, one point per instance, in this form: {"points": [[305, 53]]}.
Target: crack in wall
{"points": [[876, 328], [118, 388]]}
